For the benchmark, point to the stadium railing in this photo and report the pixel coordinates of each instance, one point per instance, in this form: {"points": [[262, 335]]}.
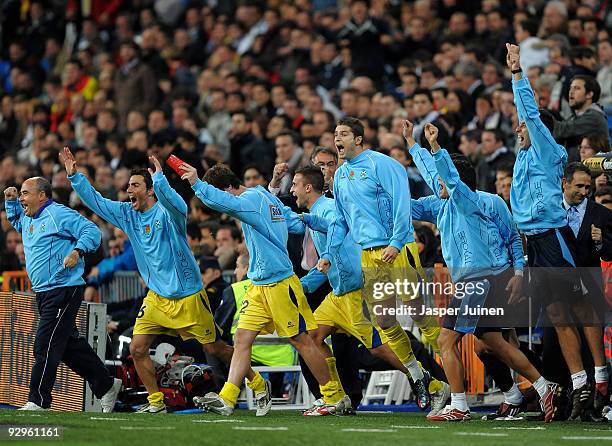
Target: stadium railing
{"points": [[16, 281], [123, 286]]}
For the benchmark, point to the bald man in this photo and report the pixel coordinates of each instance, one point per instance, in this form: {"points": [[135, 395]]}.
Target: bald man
{"points": [[55, 238]]}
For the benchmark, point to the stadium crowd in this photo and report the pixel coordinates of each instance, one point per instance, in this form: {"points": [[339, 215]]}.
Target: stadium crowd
{"points": [[259, 86]]}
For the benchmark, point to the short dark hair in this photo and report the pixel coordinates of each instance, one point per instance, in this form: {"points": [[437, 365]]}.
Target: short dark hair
{"points": [[466, 170], [548, 119], [572, 168], [43, 185], [235, 233], [590, 85], [312, 175], [605, 190], [321, 149], [248, 117], [423, 91], [507, 168], [531, 26], [355, 125], [145, 174], [222, 177], [499, 136], [294, 137]]}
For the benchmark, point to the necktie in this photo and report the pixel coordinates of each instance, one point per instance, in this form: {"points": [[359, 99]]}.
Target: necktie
{"points": [[573, 218], [309, 256]]}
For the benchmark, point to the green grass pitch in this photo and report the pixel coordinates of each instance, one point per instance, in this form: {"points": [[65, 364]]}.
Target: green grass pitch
{"points": [[291, 428]]}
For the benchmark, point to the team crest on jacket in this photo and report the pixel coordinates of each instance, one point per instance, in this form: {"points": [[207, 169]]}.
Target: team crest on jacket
{"points": [[31, 229], [43, 227], [276, 214], [157, 224], [352, 175], [363, 174], [147, 230]]}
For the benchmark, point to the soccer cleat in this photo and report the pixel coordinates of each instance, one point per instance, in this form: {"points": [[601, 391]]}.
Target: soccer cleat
{"points": [[213, 403], [439, 399], [547, 402], [320, 408], [110, 398], [582, 399], [506, 412], [264, 401], [150, 408], [31, 406], [421, 390], [451, 414]]}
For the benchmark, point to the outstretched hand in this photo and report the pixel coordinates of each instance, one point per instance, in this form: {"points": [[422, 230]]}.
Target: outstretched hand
{"points": [[67, 159], [513, 56], [189, 173], [158, 168]]}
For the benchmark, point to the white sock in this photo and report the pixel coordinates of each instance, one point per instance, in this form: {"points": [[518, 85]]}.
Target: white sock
{"points": [[579, 379], [540, 386], [459, 401], [415, 370], [601, 374], [513, 396]]}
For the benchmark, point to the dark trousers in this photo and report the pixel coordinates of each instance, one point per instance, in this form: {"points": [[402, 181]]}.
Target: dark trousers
{"points": [[58, 339]]}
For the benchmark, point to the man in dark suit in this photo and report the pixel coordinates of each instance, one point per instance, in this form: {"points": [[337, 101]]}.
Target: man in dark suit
{"points": [[592, 226]]}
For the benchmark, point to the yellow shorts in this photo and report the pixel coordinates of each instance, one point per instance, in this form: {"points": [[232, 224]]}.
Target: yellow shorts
{"points": [[279, 306], [406, 269], [189, 317], [345, 313]]}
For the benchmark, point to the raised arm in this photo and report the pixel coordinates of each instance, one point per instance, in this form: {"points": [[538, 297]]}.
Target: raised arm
{"points": [[542, 141], [235, 206], [422, 158], [111, 211], [13, 208], [168, 198]]}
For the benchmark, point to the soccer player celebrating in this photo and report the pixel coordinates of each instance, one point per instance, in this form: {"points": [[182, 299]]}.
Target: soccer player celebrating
{"points": [[481, 247], [276, 300], [372, 200], [155, 221], [536, 198], [342, 309], [54, 241]]}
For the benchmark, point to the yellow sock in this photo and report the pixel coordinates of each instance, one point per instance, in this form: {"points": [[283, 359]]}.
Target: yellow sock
{"points": [[399, 343], [258, 384], [156, 399], [331, 392], [230, 393], [430, 332], [333, 372]]}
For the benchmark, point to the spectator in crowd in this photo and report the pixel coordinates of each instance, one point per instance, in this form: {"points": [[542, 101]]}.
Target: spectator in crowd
{"points": [[213, 280], [228, 240], [603, 196], [253, 176], [534, 52], [135, 84], [245, 147], [588, 118], [493, 154], [425, 114], [503, 182], [604, 75], [289, 154]]}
